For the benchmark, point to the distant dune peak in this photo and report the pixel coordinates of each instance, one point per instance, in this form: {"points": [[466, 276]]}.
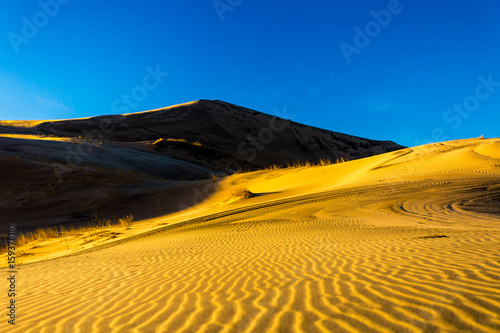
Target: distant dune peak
{"points": [[251, 139]]}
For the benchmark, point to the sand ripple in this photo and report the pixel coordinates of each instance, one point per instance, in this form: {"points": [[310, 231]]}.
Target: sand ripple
{"points": [[249, 271]]}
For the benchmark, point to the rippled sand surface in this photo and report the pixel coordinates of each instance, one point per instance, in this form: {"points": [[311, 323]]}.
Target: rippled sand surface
{"points": [[420, 252]]}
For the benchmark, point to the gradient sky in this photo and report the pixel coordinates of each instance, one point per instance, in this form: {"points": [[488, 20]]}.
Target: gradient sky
{"points": [[399, 81]]}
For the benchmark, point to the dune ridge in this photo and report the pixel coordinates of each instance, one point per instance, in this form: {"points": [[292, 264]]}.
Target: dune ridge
{"points": [[128, 163]]}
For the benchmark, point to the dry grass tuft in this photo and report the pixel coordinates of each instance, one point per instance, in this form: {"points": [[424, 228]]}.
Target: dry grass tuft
{"points": [[324, 161], [31, 239], [299, 164], [28, 240], [274, 167], [14, 158], [125, 222], [36, 236], [240, 193], [304, 164], [342, 160]]}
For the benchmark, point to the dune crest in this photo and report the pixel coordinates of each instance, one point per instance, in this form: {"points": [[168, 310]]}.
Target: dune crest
{"points": [[115, 165]]}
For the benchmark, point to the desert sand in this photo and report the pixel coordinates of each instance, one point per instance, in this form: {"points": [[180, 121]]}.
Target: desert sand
{"points": [[406, 241]]}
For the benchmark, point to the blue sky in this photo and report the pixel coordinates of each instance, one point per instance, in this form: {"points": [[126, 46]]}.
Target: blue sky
{"points": [[408, 71]]}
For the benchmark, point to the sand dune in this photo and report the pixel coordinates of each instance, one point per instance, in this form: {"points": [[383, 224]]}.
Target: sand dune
{"points": [[76, 169], [407, 241], [239, 132]]}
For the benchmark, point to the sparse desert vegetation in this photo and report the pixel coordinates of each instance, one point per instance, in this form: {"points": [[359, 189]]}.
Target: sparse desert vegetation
{"points": [[126, 221], [240, 192], [305, 164], [98, 228]]}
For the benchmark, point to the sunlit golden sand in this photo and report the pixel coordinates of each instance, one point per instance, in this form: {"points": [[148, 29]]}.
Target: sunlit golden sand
{"points": [[31, 123], [34, 137], [407, 241]]}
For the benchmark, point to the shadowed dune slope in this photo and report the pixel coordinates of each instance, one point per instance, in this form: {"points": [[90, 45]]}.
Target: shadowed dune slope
{"points": [[238, 131], [73, 170]]}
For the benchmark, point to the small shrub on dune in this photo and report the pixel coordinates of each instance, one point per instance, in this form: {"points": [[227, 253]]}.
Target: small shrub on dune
{"points": [[125, 222], [274, 167], [31, 239], [299, 164], [27, 240], [324, 161], [305, 164], [47, 233], [240, 193]]}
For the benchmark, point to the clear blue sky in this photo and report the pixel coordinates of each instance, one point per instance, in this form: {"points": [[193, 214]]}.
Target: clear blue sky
{"points": [[399, 80]]}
